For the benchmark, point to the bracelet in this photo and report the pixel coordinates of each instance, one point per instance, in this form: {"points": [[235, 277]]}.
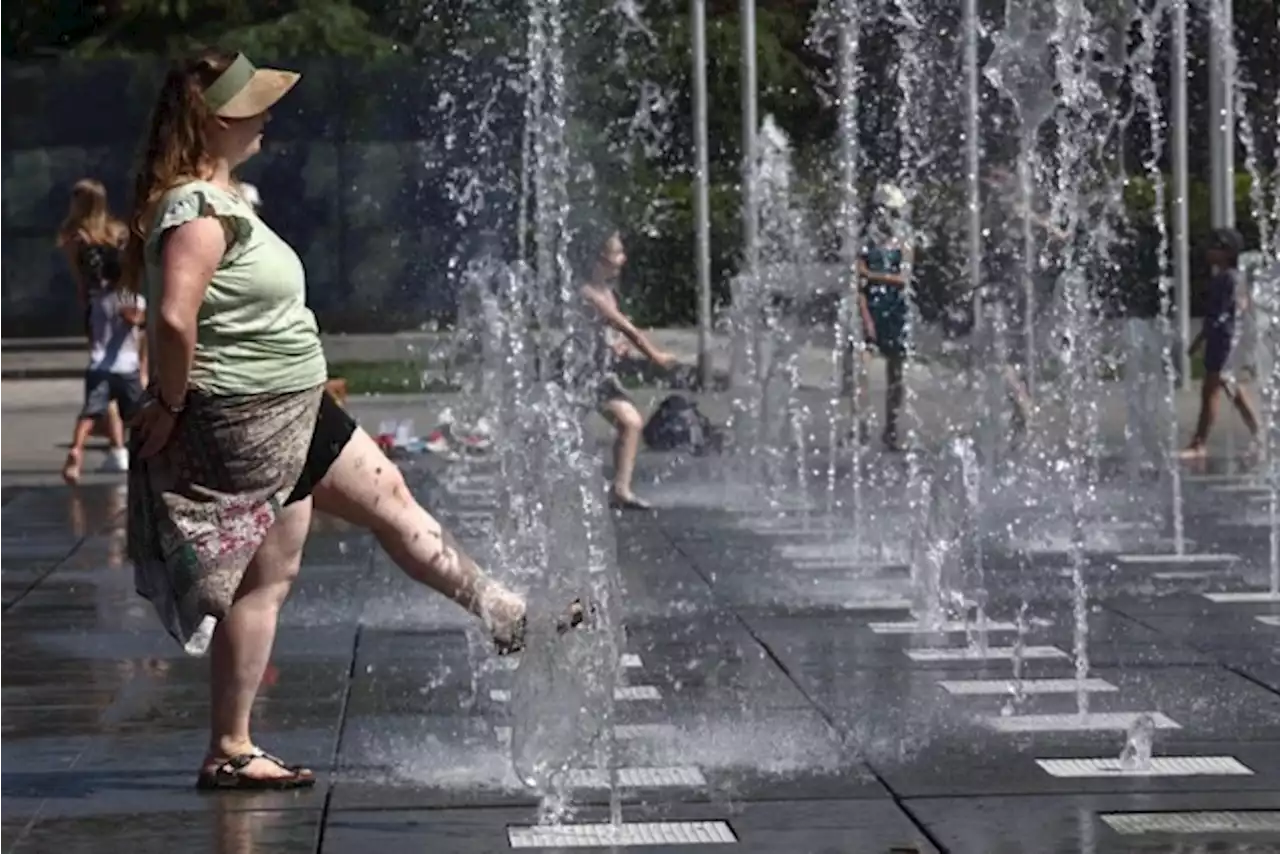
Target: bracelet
{"points": [[175, 411]]}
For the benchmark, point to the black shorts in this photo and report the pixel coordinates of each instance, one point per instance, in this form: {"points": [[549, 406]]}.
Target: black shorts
{"points": [[103, 387], [334, 428], [609, 390], [1217, 349]]}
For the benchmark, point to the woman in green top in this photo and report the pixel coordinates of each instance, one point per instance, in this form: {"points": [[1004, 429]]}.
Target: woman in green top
{"points": [[239, 442]]}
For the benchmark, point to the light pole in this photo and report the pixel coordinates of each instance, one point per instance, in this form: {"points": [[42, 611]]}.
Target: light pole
{"points": [[701, 202], [750, 225], [1222, 113], [1178, 142], [973, 155]]}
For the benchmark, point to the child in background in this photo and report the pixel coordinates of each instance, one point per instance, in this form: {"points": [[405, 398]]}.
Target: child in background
{"points": [[114, 375], [1223, 303], [882, 304]]}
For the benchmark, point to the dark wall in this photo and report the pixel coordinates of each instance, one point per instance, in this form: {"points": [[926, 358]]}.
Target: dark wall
{"points": [[366, 171]]}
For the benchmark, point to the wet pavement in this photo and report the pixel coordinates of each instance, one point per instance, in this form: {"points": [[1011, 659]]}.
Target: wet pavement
{"points": [[774, 699]]}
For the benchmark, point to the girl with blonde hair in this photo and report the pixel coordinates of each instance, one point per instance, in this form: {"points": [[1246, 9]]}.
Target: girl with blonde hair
{"points": [[91, 239]]}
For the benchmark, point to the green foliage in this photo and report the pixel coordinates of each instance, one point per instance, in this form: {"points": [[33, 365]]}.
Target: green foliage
{"points": [[170, 27]]}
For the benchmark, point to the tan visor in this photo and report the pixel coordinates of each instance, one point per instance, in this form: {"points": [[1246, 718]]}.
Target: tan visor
{"points": [[243, 91]]}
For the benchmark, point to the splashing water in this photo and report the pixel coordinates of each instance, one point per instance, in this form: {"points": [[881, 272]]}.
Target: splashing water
{"points": [[1138, 744], [1142, 79]]}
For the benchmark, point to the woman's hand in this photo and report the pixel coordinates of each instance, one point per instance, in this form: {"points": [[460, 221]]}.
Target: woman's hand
{"points": [[664, 360], [154, 426]]}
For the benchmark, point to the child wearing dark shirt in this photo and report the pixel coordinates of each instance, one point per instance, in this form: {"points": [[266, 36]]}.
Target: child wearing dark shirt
{"points": [[1216, 337], [882, 305]]}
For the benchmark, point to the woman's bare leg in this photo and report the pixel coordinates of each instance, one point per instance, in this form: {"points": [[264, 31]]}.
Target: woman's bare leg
{"points": [[1248, 412], [1208, 415], [243, 640], [628, 424], [109, 424], [894, 394], [365, 488]]}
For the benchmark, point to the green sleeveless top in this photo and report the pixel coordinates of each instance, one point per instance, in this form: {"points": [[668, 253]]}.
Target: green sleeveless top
{"points": [[254, 332]]}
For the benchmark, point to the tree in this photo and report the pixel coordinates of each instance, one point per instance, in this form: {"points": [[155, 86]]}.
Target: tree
{"points": [[114, 28]]}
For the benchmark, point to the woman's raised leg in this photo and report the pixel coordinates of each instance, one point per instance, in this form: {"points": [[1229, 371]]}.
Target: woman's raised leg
{"points": [[366, 489]]}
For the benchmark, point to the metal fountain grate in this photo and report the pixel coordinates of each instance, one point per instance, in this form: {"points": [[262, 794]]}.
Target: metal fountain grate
{"points": [[1162, 558], [1243, 597], [1094, 721], [1161, 766], [625, 693], [622, 835], [969, 653], [971, 687], [953, 627], [1231, 821], [629, 660], [639, 778], [623, 732]]}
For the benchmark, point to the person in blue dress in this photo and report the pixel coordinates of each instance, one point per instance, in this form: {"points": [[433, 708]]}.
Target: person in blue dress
{"points": [[1224, 300], [882, 271]]}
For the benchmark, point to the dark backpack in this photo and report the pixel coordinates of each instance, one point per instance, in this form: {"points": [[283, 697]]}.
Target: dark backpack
{"points": [[677, 424]]}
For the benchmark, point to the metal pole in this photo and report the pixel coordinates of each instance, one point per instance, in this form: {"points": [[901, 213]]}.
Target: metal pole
{"points": [[1222, 116], [1178, 142], [972, 148], [701, 193], [750, 225]]}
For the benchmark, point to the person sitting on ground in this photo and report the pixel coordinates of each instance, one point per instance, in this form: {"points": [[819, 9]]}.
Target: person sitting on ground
{"points": [[1224, 302], [91, 240], [610, 335], [238, 442]]}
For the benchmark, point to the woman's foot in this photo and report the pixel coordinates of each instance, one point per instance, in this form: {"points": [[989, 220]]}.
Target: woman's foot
{"points": [[628, 501], [251, 770], [1194, 451], [71, 468], [513, 640]]}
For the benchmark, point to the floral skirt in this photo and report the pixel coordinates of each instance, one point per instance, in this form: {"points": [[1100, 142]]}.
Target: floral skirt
{"points": [[200, 508]]}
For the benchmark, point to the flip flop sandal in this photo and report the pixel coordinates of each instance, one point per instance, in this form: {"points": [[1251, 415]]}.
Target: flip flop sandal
{"points": [[230, 776], [577, 615]]}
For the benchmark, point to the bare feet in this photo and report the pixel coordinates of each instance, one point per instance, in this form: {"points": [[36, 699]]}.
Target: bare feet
{"points": [[71, 468], [628, 501], [1194, 451]]}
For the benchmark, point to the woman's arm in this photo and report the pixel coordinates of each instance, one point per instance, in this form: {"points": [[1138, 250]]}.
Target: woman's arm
{"points": [[619, 321], [144, 365], [896, 279], [189, 258], [70, 253]]}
